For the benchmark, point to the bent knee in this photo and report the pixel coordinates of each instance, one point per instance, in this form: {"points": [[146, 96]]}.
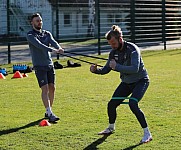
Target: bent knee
{"points": [[133, 105], [113, 103]]}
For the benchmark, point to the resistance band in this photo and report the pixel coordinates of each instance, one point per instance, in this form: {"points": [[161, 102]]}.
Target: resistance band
{"points": [[80, 59], [85, 55], [131, 98]]}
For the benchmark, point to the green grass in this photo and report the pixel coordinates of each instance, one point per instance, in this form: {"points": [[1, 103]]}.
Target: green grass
{"points": [[81, 102]]}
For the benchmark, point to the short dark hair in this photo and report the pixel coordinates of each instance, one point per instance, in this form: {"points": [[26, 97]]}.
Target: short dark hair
{"points": [[114, 32], [35, 15]]}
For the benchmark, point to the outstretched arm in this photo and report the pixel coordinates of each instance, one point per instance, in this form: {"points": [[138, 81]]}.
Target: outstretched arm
{"points": [[34, 41], [55, 44]]}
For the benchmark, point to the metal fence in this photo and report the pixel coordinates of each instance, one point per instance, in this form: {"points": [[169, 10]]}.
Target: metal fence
{"points": [[81, 25]]}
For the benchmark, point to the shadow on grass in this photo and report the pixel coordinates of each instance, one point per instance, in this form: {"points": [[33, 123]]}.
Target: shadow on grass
{"points": [[8, 131], [132, 147], [93, 146]]}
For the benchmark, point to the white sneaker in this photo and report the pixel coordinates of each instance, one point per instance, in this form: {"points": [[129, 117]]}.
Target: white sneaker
{"points": [[106, 131], [53, 118], [146, 138]]}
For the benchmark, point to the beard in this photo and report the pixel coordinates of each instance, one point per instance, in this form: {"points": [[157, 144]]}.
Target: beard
{"points": [[37, 27], [119, 46]]}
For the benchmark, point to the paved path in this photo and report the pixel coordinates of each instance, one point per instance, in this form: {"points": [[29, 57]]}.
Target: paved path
{"points": [[21, 53]]}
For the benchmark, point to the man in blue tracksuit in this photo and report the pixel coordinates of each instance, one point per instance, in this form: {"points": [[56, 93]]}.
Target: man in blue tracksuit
{"points": [[125, 58], [39, 43]]}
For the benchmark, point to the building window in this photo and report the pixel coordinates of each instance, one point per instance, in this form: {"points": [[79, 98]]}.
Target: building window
{"points": [[67, 20], [84, 19]]}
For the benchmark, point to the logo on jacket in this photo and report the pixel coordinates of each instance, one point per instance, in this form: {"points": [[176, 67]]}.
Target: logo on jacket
{"points": [[116, 56], [125, 56]]}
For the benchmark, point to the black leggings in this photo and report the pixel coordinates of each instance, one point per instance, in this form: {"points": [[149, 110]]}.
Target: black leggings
{"points": [[137, 90]]}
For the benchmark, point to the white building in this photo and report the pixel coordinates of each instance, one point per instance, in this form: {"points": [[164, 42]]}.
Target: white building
{"points": [[65, 19]]}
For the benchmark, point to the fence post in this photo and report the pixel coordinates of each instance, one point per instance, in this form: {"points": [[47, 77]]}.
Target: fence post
{"points": [[132, 14], [8, 32], [57, 24], [9, 52], [8, 18], [98, 25], [163, 24]]}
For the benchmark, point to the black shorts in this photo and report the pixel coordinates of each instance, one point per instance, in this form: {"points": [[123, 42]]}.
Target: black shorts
{"points": [[45, 75]]}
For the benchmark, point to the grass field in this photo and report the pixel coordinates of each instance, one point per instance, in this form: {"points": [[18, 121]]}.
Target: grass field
{"points": [[81, 102]]}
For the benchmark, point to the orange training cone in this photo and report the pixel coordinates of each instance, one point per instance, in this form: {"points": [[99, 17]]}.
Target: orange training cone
{"points": [[17, 74], [2, 76], [44, 123]]}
